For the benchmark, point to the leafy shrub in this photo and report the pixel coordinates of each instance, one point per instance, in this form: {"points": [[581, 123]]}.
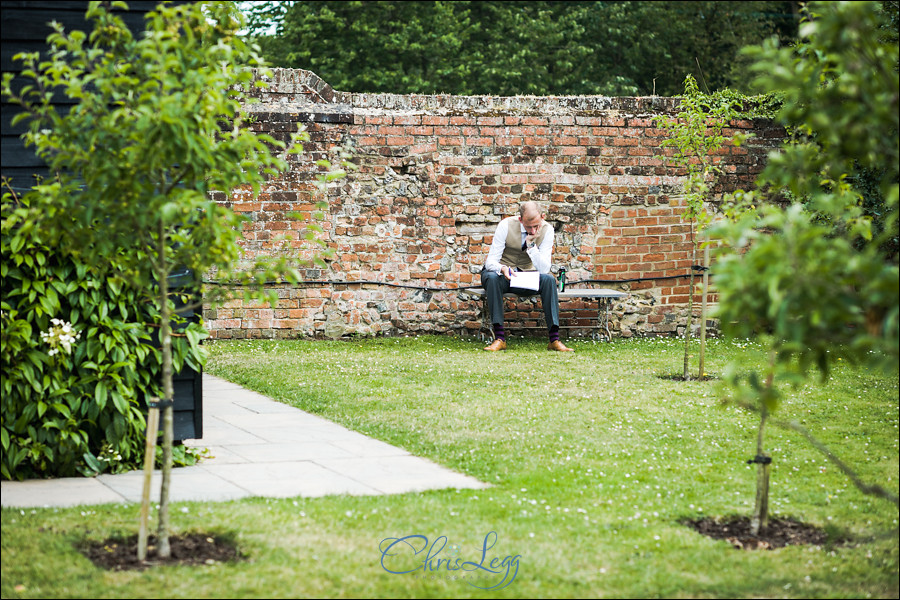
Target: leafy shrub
{"points": [[72, 406]]}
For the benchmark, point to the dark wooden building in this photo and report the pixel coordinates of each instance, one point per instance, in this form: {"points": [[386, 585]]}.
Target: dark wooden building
{"points": [[25, 27]]}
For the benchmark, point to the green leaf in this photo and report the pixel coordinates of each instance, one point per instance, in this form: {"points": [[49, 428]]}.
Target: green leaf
{"points": [[100, 394], [92, 463], [119, 401]]}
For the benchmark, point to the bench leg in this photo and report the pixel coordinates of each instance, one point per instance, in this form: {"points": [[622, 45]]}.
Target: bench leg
{"points": [[602, 329], [486, 333]]}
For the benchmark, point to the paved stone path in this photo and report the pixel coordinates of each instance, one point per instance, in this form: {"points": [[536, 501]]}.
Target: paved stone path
{"points": [[260, 448]]}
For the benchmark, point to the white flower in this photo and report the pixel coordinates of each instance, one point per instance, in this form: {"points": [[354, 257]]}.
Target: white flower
{"points": [[60, 335]]}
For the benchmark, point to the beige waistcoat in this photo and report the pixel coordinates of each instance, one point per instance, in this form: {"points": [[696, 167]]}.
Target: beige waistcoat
{"points": [[513, 255]]}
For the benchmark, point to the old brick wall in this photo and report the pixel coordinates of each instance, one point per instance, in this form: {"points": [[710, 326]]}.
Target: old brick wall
{"points": [[432, 177]]}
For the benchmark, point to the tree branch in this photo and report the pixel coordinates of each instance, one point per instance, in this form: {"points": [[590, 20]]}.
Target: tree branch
{"points": [[868, 489]]}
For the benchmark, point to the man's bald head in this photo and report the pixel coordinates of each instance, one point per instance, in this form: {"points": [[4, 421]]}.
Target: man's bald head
{"points": [[529, 209], [530, 217]]}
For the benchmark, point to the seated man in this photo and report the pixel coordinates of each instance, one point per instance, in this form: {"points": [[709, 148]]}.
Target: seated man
{"points": [[523, 243]]}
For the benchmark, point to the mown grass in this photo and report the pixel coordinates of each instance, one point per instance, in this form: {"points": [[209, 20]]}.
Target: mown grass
{"points": [[595, 459]]}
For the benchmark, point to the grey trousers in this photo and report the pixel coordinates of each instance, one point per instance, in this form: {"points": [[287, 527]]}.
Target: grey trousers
{"points": [[495, 285]]}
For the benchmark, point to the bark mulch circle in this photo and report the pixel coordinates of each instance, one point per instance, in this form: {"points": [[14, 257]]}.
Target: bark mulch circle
{"points": [[706, 377], [116, 554], [780, 533]]}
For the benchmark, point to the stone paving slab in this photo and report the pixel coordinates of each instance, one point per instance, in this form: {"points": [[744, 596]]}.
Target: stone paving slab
{"points": [[290, 451], [259, 448], [188, 483], [397, 474], [66, 491], [288, 479]]}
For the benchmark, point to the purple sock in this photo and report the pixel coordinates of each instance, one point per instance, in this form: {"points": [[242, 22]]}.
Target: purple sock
{"points": [[499, 332], [554, 334]]}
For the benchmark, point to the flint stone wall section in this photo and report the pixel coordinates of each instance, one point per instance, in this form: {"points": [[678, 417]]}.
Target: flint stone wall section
{"points": [[432, 177]]}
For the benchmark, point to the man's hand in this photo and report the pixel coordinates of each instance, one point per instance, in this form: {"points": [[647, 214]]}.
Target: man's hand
{"points": [[506, 271], [531, 221]]}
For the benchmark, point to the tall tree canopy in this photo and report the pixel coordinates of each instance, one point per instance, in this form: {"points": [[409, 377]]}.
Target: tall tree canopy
{"points": [[516, 47]]}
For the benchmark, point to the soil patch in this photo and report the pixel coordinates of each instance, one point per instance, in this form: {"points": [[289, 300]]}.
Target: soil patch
{"points": [[116, 554], [780, 533], [706, 377]]}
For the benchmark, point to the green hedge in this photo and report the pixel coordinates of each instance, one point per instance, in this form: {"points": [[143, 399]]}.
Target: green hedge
{"points": [[77, 412]]}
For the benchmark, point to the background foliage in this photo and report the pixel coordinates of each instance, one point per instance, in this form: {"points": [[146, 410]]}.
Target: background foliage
{"points": [[509, 48], [78, 413]]}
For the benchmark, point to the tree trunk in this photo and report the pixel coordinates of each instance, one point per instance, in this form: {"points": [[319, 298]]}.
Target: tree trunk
{"points": [[760, 521], [149, 464], [168, 421], [702, 370], [687, 329]]}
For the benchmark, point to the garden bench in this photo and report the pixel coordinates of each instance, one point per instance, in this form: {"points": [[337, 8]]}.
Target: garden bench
{"points": [[600, 330]]}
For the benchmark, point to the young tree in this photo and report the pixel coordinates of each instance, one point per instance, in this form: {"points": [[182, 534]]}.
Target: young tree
{"points": [[811, 275], [156, 126], [696, 133]]}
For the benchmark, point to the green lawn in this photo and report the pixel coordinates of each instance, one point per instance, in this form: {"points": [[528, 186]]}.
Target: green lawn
{"points": [[595, 458]]}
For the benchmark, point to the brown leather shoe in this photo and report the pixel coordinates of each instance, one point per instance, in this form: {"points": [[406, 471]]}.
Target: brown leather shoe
{"points": [[558, 346], [496, 345]]}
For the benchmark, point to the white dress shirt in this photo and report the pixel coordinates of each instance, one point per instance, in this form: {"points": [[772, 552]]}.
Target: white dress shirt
{"points": [[540, 255]]}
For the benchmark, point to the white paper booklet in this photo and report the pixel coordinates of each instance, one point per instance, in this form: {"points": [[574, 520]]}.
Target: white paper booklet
{"points": [[526, 280]]}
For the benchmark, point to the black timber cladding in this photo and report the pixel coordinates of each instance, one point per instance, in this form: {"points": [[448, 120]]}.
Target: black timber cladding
{"points": [[25, 27]]}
